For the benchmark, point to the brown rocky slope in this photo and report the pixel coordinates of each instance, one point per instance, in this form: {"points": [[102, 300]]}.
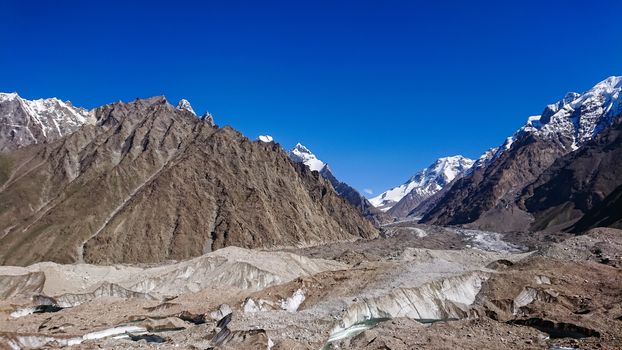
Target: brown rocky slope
{"points": [[605, 214], [576, 183], [494, 188], [149, 183]]}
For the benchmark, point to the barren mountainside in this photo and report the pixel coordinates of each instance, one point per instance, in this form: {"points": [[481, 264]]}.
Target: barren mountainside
{"points": [[150, 182], [493, 189], [606, 214], [576, 183]]}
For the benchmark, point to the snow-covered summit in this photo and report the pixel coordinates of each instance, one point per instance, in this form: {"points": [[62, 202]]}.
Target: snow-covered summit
{"points": [[265, 138], [302, 154], [426, 182], [24, 122], [185, 105], [576, 118], [582, 117], [8, 96]]}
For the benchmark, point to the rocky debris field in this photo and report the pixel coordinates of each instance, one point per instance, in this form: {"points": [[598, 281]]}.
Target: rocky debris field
{"points": [[417, 286]]}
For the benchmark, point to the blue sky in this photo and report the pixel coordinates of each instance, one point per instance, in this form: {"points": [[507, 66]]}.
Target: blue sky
{"points": [[378, 89]]}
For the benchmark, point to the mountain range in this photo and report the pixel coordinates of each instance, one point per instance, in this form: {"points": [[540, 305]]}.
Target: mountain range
{"points": [[148, 182], [145, 181], [400, 201], [512, 189]]}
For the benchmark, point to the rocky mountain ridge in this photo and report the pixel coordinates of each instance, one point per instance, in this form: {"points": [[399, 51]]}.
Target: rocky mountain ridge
{"points": [[149, 182], [303, 155]]}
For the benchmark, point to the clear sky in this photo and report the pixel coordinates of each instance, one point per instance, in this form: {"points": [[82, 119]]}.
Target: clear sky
{"points": [[378, 89]]}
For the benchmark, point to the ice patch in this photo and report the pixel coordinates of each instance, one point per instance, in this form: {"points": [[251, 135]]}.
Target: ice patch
{"points": [[270, 344], [417, 231], [490, 241], [251, 306], [292, 303], [443, 299], [542, 280], [37, 342], [22, 312], [113, 331], [525, 297], [352, 331], [265, 138]]}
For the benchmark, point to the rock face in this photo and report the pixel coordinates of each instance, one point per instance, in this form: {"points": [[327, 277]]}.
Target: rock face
{"points": [[401, 200], [24, 122], [486, 196], [302, 154], [491, 191], [605, 214], [353, 197], [577, 184], [208, 118], [150, 182]]}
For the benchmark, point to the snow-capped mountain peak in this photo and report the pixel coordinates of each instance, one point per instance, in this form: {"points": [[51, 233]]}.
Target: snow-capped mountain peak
{"points": [[302, 149], [185, 105], [446, 169], [302, 154], [426, 182], [24, 122], [583, 116], [265, 138], [576, 118], [7, 96]]}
